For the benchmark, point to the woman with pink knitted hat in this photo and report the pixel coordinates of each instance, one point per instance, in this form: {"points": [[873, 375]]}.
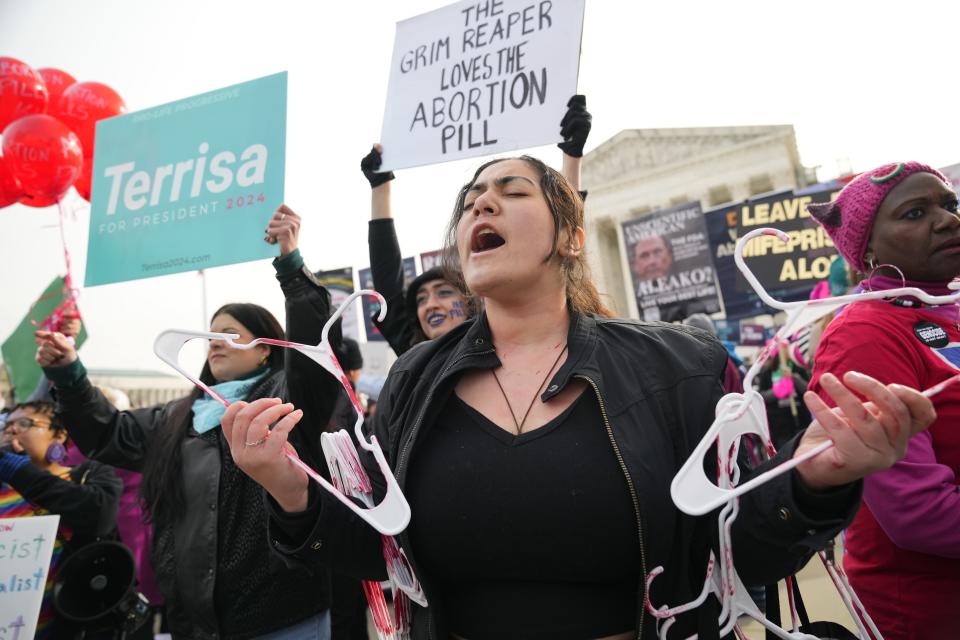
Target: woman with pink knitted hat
{"points": [[899, 224]]}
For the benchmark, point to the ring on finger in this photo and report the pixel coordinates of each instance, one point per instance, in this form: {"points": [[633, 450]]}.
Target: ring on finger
{"points": [[257, 443], [282, 216]]}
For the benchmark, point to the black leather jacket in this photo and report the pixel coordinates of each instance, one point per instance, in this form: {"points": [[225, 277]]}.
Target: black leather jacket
{"points": [[657, 386], [185, 552]]}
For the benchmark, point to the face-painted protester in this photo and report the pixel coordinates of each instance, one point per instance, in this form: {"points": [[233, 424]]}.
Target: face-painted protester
{"points": [[36, 482], [536, 444], [432, 306], [899, 225], [211, 558]]}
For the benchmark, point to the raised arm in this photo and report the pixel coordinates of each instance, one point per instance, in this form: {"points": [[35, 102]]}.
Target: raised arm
{"points": [[308, 307], [379, 183], [574, 128], [386, 262], [118, 438]]}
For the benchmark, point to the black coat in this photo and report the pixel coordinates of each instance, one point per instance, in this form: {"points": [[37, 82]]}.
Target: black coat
{"points": [[185, 553], [657, 386]]}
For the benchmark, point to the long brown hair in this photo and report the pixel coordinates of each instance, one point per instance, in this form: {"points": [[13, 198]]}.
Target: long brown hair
{"points": [[566, 208]]}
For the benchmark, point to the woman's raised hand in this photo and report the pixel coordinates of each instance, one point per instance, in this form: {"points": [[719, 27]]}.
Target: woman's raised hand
{"points": [[54, 349], [261, 452], [370, 164], [867, 436], [284, 228]]}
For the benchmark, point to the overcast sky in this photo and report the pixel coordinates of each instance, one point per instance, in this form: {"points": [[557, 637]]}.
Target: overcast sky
{"points": [[864, 82]]}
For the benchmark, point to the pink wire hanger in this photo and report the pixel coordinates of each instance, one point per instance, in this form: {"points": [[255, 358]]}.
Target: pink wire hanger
{"points": [[392, 515]]}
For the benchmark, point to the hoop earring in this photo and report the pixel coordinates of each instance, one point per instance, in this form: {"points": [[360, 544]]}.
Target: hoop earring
{"points": [[873, 267]]}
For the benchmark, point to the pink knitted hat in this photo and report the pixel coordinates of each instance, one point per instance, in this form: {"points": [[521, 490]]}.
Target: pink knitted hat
{"points": [[848, 220]]}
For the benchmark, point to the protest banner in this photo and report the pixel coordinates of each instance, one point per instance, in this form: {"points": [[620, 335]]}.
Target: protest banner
{"points": [[431, 259], [478, 78], [188, 185], [26, 546], [721, 226], [798, 265], [20, 349], [670, 263], [339, 282], [371, 307]]}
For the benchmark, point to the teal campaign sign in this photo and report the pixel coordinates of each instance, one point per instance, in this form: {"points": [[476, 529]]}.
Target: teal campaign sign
{"points": [[188, 185]]}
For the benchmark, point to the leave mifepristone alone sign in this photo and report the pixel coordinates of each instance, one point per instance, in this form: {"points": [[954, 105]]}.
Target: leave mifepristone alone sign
{"points": [[478, 78], [188, 185]]}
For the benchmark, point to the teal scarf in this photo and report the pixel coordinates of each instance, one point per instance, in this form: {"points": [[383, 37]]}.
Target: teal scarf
{"points": [[207, 410]]}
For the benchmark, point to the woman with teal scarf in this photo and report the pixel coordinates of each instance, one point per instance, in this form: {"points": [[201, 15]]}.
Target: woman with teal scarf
{"points": [[211, 553]]}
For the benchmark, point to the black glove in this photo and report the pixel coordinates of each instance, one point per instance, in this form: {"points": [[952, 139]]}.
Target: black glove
{"points": [[575, 127], [370, 164]]}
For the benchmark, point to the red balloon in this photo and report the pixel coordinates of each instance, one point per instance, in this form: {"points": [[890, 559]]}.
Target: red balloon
{"points": [[57, 82], [45, 155], [38, 202], [84, 182], [22, 91], [83, 104], [10, 190]]}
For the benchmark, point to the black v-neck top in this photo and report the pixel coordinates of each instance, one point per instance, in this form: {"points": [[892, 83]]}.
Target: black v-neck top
{"points": [[529, 536]]}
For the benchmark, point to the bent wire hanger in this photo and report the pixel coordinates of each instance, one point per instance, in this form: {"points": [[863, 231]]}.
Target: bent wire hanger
{"points": [[392, 515]]}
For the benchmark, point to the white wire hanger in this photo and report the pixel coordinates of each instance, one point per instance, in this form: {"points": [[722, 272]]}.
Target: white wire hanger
{"points": [[392, 515], [739, 414], [743, 414], [349, 479]]}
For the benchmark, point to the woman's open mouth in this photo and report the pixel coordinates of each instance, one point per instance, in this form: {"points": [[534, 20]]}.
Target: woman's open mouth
{"points": [[436, 319], [485, 239]]}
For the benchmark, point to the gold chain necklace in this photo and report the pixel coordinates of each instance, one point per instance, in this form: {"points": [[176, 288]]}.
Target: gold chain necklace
{"points": [[519, 425]]}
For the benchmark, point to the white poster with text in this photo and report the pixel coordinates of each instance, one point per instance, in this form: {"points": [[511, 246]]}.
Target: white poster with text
{"points": [[479, 78], [26, 546]]}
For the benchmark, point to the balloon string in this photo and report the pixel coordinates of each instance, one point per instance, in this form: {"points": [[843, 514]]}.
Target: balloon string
{"points": [[68, 308], [69, 290]]}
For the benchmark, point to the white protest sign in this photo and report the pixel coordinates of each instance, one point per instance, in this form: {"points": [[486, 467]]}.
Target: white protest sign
{"points": [[26, 545], [478, 78]]}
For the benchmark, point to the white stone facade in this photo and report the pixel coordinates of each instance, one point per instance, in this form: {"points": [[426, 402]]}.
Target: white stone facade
{"points": [[640, 170]]}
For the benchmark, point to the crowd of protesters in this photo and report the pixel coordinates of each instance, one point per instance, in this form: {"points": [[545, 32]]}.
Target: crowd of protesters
{"points": [[534, 435]]}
